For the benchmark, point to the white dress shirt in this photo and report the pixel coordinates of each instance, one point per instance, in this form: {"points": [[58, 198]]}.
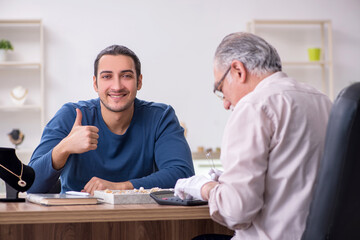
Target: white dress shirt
{"points": [[271, 149]]}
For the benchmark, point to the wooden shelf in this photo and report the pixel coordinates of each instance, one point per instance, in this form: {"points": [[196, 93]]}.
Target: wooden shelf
{"points": [[325, 33], [304, 63], [20, 64], [20, 108], [281, 21], [25, 68], [202, 155], [14, 22]]}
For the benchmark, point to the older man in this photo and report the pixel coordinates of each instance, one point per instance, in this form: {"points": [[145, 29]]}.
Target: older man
{"points": [[271, 146]]}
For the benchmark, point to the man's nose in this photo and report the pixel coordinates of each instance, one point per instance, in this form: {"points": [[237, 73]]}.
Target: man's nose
{"points": [[117, 83]]}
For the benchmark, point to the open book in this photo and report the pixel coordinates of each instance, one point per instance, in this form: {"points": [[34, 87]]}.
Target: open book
{"points": [[60, 199]]}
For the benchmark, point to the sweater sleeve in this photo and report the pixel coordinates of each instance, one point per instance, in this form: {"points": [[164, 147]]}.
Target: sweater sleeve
{"points": [[172, 154], [41, 161]]}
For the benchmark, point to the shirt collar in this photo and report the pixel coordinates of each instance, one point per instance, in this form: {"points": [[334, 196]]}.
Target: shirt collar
{"points": [[264, 83], [268, 80]]}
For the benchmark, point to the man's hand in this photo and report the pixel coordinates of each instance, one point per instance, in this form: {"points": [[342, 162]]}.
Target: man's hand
{"points": [[215, 174], [190, 187], [80, 139], [96, 183]]}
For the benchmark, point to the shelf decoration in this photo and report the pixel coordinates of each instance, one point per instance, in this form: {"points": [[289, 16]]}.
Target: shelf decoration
{"points": [[5, 46], [16, 137], [314, 54], [18, 95]]}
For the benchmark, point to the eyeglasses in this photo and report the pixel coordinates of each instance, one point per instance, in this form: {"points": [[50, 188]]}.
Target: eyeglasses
{"points": [[217, 89]]}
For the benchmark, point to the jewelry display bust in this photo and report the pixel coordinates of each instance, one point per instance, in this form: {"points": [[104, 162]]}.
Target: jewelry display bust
{"points": [[16, 174]]}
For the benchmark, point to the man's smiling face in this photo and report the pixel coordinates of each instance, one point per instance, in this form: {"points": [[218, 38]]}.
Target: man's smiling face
{"points": [[116, 82]]}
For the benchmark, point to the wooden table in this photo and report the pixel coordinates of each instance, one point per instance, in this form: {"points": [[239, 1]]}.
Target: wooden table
{"points": [[105, 221]]}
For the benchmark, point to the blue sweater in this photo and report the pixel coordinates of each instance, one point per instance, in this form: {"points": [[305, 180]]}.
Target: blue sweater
{"points": [[152, 152]]}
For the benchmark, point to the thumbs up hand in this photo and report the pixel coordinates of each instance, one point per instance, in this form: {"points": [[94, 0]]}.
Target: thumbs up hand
{"points": [[78, 118], [81, 138]]}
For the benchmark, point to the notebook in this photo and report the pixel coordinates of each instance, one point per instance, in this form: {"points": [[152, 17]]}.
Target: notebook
{"points": [[49, 199]]}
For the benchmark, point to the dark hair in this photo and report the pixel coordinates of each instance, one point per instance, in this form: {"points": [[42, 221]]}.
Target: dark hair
{"points": [[118, 50]]}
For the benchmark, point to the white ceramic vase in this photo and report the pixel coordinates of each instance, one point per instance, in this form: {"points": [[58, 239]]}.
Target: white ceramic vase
{"points": [[3, 55]]}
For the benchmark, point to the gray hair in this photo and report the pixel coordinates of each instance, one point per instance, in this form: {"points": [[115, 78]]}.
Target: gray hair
{"points": [[258, 56]]}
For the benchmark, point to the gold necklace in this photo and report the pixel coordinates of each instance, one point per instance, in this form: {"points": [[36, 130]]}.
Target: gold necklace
{"points": [[19, 98], [21, 182]]}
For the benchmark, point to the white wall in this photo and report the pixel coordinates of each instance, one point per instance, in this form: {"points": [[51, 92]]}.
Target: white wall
{"points": [[175, 40]]}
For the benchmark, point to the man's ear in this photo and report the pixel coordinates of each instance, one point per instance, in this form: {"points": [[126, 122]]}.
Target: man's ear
{"points": [[238, 71], [139, 82], [95, 84]]}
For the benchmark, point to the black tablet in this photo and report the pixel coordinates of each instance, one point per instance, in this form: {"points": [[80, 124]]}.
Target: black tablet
{"points": [[167, 197]]}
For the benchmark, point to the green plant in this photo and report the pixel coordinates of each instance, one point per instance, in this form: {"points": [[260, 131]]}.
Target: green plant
{"points": [[6, 44]]}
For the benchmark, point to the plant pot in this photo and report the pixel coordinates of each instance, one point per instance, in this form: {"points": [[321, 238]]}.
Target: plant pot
{"points": [[3, 53]]}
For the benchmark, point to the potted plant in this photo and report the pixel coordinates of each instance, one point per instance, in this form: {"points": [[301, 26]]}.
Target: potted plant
{"points": [[5, 45]]}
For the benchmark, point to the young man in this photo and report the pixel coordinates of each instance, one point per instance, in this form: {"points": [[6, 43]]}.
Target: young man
{"points": [[115, 141], [271, 147]]}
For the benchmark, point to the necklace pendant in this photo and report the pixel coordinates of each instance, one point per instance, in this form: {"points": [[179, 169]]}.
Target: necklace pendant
{"points": [[21, 183]]}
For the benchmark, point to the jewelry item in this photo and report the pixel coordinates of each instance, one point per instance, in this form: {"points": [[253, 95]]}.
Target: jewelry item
{"points": [[21, 182], [18, 95]]}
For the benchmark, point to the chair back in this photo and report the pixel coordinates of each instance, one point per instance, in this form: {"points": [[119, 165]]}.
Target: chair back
{"points": [[335, 208]]}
